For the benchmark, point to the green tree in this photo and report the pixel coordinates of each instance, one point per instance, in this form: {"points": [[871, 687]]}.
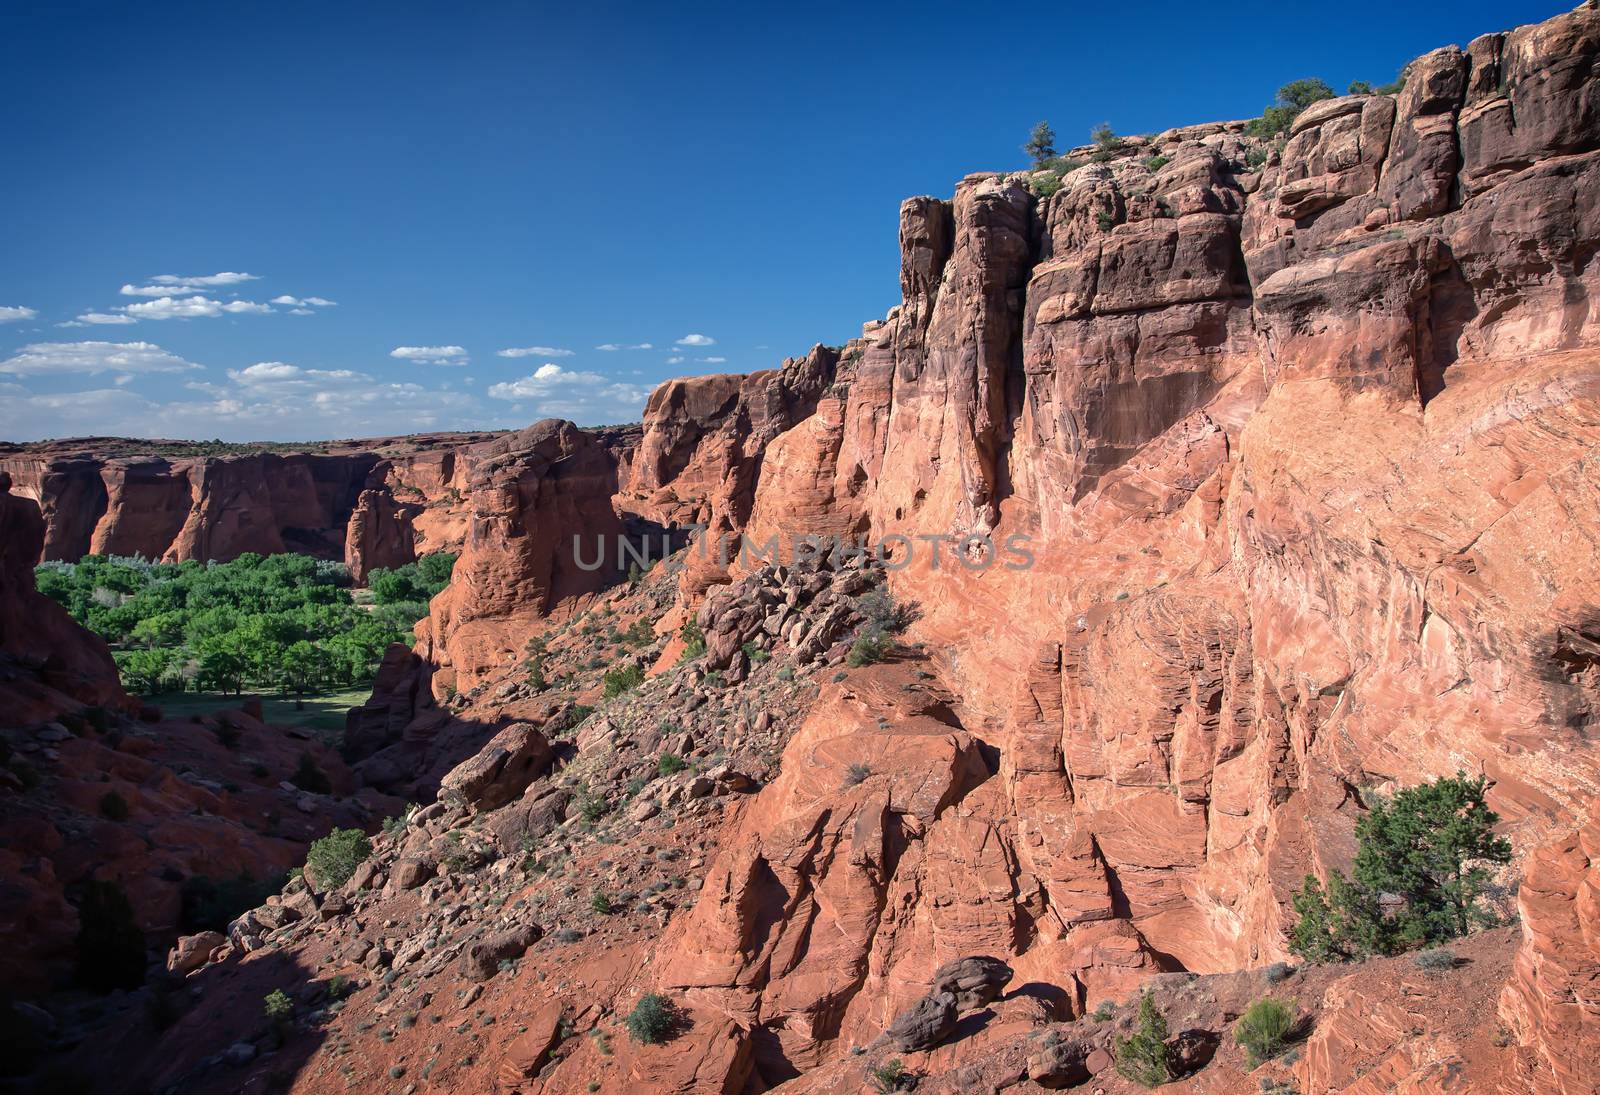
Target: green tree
{"points": [[1426, 851], [304, 666], [223, 669], [1429, 845], [1142, 1056], [1293, 97], [143, 671], [1300, 94], [1041, 144]]}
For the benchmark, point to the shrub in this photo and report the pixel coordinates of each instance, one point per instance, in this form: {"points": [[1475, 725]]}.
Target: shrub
{"points": [[227, 733], [334, 858], [653, 1019], [1359, 87], [110, 945], [1156, 163], [856, 773], [113, 806], [1257, 156], [1106, 137], [1142, 1056], [889, 1076], [1044, 186], [1263, 1029], [593, 807], [394, 826], [623, 680], [668, 764], [309, 776], [1439, 958], [601, 904], [277, 1005], [869, 648]]}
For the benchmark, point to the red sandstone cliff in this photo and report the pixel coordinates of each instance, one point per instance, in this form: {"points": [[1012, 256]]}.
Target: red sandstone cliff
{"points": [[1305, 456]]}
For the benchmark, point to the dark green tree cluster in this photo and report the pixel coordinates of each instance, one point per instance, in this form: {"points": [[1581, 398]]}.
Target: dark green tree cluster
{"points": [[418, 581], [1418, 878], [1293, 98], [279, 621]]}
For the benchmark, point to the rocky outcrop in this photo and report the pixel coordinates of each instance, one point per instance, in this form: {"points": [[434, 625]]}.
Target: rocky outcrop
{"points": [[542, 535], [48, 664], [381, 532], [701, 452], [1552, 1002]]}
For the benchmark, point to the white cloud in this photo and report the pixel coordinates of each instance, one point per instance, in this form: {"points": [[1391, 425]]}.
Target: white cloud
{"points": [[321, 302], [587, 398], [99, 319], [611, 346], [193, 308], [48, 358], [263, 371], [301, 312], [712, 360], [697, 340], [16, 315], [303, 304], [431, 355], [533, 351], [675, 359], [163, 284]]}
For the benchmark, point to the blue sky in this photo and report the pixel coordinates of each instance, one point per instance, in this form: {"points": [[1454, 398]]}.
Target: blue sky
{"points": [[444, 182]]}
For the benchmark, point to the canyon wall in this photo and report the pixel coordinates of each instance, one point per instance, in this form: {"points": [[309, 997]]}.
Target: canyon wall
{"points": [[1303, 439], [376, 503]]}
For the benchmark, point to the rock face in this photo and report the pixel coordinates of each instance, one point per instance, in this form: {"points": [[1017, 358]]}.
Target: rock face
{"points": [[370, 504], [1304, 457], [541, 512], [48, 664], [1551, 1004]]}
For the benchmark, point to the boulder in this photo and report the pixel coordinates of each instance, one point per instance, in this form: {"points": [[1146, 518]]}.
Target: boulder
{"points": [[925, 1024], [973, 981], [502, 769], [482, 959], [191, 952]]}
